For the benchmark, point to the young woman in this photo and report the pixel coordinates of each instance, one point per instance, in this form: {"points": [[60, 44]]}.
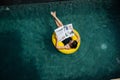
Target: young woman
{"points": [[68, 42]]}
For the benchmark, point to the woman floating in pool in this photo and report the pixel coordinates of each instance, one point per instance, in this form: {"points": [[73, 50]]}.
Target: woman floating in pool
{"points": [[69, 43]]}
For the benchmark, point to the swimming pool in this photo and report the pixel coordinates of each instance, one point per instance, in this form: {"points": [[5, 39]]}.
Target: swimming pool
{"points": [[27, 53]]}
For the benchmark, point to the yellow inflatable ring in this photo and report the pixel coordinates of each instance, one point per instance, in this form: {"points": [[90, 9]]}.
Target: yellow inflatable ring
{"points": [[64, 51]]}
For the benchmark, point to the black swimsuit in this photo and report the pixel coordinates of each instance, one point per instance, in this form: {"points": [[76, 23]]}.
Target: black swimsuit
{"points": [[67, 40]]}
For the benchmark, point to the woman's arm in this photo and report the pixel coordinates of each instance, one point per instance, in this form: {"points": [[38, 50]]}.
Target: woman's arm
{"points": [[60, 47]]}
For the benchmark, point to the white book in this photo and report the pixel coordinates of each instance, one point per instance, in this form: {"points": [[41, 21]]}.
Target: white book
{"points": [[64, 32]]}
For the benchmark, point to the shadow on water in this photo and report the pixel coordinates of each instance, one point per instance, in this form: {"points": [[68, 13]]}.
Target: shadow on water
{"points": [[85, 77], [11, 65], [14, 2], [48, 40], [114, 17]]}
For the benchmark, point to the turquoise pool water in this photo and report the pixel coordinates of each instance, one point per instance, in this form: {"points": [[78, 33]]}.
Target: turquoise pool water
{"points": [[27, 53]]}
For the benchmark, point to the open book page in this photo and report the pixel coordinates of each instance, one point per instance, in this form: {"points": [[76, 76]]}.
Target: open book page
{"points": [[64, 32], [60, 33], [68, 30]]}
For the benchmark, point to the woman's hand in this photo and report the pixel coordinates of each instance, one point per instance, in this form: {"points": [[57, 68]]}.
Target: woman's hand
{"points": [[57, 39], [67, 46], [78, 40]]}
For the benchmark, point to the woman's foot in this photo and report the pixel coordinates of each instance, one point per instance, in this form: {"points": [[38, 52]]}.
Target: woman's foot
{"points": [[53, 13]]}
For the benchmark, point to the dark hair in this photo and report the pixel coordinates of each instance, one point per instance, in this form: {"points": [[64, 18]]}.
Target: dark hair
{"points": [[74, 44]]}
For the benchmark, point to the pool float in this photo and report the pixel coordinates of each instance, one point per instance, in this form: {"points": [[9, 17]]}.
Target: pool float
{"points": [[65, 51]]}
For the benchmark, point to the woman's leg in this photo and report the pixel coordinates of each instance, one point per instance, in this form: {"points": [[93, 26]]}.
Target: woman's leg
{"points": [[58, 22], [58, 25]]}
